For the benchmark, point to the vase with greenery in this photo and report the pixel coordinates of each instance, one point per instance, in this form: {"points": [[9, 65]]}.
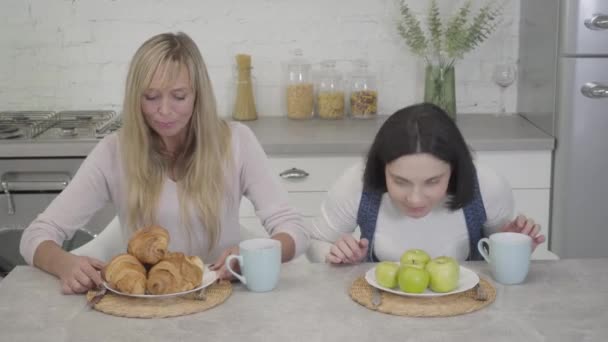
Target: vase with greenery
{"points": [[443, 43]]}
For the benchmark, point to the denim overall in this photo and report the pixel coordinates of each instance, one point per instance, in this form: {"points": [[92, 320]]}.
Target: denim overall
{"points": [[474, 215]]}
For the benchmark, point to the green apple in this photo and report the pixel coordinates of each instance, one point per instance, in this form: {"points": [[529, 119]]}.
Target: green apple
{"points": [[386, 274], [413, 263], [444, 272], [418, 256], [413, 279]]}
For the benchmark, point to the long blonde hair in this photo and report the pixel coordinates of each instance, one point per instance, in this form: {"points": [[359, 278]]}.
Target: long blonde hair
{"points": [[199, 166]]}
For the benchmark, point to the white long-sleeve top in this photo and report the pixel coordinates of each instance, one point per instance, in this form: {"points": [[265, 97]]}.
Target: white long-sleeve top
{"points": [[441, 232], [100, 180]]}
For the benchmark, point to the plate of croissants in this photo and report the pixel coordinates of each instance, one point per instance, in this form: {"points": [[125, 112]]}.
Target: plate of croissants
{"points": [[150, 270]]}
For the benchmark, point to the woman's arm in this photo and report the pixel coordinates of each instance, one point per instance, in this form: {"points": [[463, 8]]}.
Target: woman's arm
{"points": [[269, 198], [70, 210], [498, 200], [331, 231], [338, 212]]}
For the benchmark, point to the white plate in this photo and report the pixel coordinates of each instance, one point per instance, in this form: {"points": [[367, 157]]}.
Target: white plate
{"points": [[468, 279], [209, 277]]}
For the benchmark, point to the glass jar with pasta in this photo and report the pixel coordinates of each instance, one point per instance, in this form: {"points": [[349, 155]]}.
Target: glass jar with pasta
{"points": [[330, 97], [363, 92], [299, 90]]}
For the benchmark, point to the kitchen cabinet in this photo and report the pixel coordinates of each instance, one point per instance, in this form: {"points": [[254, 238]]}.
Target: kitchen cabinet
{"points": [[528, 172]]}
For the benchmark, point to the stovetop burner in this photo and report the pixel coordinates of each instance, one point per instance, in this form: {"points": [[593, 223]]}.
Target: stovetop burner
{"points": [[7, 129], [73, 125], [10, 136], [68, 131]]}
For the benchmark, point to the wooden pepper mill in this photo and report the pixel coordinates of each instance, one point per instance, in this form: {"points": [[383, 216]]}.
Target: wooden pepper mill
{"points": [[244, 105]]}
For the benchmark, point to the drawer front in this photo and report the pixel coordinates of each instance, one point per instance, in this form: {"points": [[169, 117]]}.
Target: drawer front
{"points": [[307, 203], [68, 165], [321, 171], [522, 169]]}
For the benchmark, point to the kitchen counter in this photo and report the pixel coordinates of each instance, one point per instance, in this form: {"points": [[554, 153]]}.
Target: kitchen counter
{"points": [[563, 300], [279, 135], [482, 132]]}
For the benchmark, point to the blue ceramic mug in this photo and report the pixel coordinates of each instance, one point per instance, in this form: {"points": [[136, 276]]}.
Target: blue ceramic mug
{"points": [[508, 255], [260, 262]]}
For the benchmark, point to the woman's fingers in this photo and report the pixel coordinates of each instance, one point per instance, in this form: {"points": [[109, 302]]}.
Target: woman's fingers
{"points": [[92, 274], [65, 288], [527, 227], [535, 230], [77, 286], [96, 263], [83, 279], [356, 249], [346, 250], [332, 259], [539, 239], [219, 263], [224, 274], [520, 221], [88, 274], [335, 251]]}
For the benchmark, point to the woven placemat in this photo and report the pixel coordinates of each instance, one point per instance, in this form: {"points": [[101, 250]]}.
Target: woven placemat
{"points": [[124, 306], [443, 306]]}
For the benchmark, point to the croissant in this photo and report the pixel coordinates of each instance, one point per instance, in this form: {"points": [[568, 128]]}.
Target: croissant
{"points": [[149, 245], [126, 274], [175, 273]]}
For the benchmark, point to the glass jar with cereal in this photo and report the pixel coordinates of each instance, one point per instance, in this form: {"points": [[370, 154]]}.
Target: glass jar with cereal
{"points": [[330, 97], [363, 92], [299, 90]]}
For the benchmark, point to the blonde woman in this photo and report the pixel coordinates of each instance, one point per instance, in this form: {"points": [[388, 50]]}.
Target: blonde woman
{"points": [[174, 163]]}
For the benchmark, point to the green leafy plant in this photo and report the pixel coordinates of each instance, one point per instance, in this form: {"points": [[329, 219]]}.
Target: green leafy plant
{"points": [[449, 41], [442, 43]]}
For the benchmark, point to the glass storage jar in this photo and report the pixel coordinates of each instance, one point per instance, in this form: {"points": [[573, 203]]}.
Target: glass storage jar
{"points": [[330, 97], [363, 92], [244, 101], [299, 90]]}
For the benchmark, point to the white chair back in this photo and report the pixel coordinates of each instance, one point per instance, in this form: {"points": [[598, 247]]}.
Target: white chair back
{"points": [[107, 244]]}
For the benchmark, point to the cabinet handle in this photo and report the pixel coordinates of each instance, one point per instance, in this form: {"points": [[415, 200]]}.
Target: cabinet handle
{"points": [[31, 181], [594, 90], [293, 173], [597, 22], [9, 198]]}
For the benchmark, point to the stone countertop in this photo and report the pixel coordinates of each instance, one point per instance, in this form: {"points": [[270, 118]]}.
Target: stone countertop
{"points": [[563, 300], [279, 135], [352, 136]]}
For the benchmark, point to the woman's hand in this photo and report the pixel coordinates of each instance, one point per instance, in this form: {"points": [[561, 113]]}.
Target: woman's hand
{"points": [[526, 226], [80, 274], [347, 250], [220, 267]]}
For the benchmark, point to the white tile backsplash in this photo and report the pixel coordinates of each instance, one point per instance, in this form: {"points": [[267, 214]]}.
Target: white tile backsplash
{"points": [[74, 54]]}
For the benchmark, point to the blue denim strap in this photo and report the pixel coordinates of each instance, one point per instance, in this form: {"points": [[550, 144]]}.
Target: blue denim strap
{"points": [[474, 215], [367, 216]]}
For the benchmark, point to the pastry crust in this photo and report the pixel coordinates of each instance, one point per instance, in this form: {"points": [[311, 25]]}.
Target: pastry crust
{"points": [[175, 273], [149, 245], [126, 274]]}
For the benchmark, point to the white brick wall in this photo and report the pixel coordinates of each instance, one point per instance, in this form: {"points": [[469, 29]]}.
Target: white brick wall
{"points": [[73, 54]]}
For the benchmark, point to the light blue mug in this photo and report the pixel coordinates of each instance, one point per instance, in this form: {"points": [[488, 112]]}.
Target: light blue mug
{"points": [[260, 263], [508, 255]]}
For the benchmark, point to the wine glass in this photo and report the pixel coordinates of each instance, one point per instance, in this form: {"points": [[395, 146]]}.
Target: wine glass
{"points": [[504, 75]]}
